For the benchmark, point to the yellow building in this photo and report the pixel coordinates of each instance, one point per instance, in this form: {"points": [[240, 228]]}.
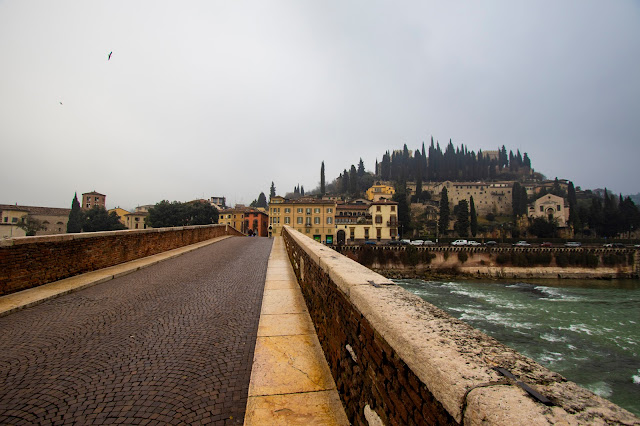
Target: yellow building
{"points": [[380, 191], [358, 222], [312, 217], [233, 217], [121, 214]]}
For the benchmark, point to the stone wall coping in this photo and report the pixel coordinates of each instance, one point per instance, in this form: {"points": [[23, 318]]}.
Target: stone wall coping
{"points": [[8, 242], [454, 360]]}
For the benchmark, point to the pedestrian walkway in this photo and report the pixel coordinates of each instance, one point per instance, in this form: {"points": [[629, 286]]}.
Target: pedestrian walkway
{"points": [[31, 297], [168, 344], [290, 380]]}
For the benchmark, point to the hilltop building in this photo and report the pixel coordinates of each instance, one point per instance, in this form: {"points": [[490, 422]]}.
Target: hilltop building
{"points": [[380, 191], [550, 206], [488, 197]]}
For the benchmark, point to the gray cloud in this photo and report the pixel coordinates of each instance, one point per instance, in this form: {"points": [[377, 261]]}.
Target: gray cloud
{"points": [[221, 98]]}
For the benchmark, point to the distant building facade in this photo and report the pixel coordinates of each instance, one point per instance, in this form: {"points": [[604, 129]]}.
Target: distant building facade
{"points": [[550, 206], [54, 220], [91, 199], [312, 217], [359, 222], [380, 191]]}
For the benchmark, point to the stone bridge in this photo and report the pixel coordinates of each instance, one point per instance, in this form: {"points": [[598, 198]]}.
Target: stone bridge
{"points": [[201, 325]]}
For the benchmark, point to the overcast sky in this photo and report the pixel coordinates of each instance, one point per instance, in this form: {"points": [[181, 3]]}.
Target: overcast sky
{"points": [[223, 97]]}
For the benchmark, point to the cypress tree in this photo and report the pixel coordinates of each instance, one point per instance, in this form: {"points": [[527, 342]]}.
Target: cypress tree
{"points": [[74, 224], [443, 223], [322, 187], [272, 191], [462, 218], [473, 217]]}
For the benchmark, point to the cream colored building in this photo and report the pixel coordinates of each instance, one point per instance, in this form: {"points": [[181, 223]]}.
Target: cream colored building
{"points": [[380, 191], [54, 220], [488, 197], [312, 217], [136, 220], [550, 205]]}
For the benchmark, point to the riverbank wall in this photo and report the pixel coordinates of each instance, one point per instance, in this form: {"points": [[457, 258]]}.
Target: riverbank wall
{"points": [[496, 263], [397, 359]]}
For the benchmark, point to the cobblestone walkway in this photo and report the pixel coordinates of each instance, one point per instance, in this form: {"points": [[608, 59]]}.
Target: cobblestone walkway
{"points": [[169, 344]]}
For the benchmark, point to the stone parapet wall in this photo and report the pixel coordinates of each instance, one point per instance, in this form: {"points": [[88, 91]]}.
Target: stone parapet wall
{"points": [[28, 262], [399, 360]]}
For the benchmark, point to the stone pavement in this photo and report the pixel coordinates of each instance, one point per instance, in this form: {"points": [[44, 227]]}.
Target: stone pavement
{"points": [[290, 381], [168, 344]]}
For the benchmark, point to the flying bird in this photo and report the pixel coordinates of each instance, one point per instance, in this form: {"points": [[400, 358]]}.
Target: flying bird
{"points": [[109, 58], [60, 103]]}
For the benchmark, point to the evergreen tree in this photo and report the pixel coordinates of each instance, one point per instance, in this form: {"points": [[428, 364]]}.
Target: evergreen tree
{"points": [[473, 217], [445, 212], [574, 219], [262, 201], [302, 190], [462, 218], [98, 219], [353, 181], [74, 224], [361, 170], [272, 191], [322, 187], [344, 184]]}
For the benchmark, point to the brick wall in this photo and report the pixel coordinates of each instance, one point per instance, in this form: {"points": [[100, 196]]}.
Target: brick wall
{"points": [[399, 360], [28, 262]]}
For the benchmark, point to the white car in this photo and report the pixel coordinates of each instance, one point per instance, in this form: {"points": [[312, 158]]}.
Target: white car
{"points": [[460, 243], [473, 243], [416, 242], [428, 243]]}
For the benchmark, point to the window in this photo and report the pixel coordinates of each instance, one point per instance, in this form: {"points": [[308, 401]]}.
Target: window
{"points": [[542, 209], [393, 208], [316, 220], [299, 209], [308, 210], [378, 234], [316, 210], [329, 220], [14, 219], [287, 220], [287, 210], [329, 210], [366, 233], [378, 218], [299, 221], [558, 207], [6, 219], [378, 208], [308, 221]]}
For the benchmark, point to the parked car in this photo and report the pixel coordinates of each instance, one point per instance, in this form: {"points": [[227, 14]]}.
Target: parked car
{"points": [[416, 242], [618, 245], [491, 243], [473, 243], [394, 242], [522, 244], [405, 242], [459, 243], [546, 244], [573, 244], [428, 243], [370, 243]]}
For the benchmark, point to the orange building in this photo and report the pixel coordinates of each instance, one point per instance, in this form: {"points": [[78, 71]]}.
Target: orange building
{"points": [[257, 221], [91, 199]]}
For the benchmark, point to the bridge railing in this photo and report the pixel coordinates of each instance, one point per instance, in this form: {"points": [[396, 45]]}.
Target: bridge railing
{"points": [[399, 360], [27, 262]]}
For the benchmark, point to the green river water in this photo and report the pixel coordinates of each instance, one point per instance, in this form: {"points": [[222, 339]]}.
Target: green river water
{"points": [[586, 330]]}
